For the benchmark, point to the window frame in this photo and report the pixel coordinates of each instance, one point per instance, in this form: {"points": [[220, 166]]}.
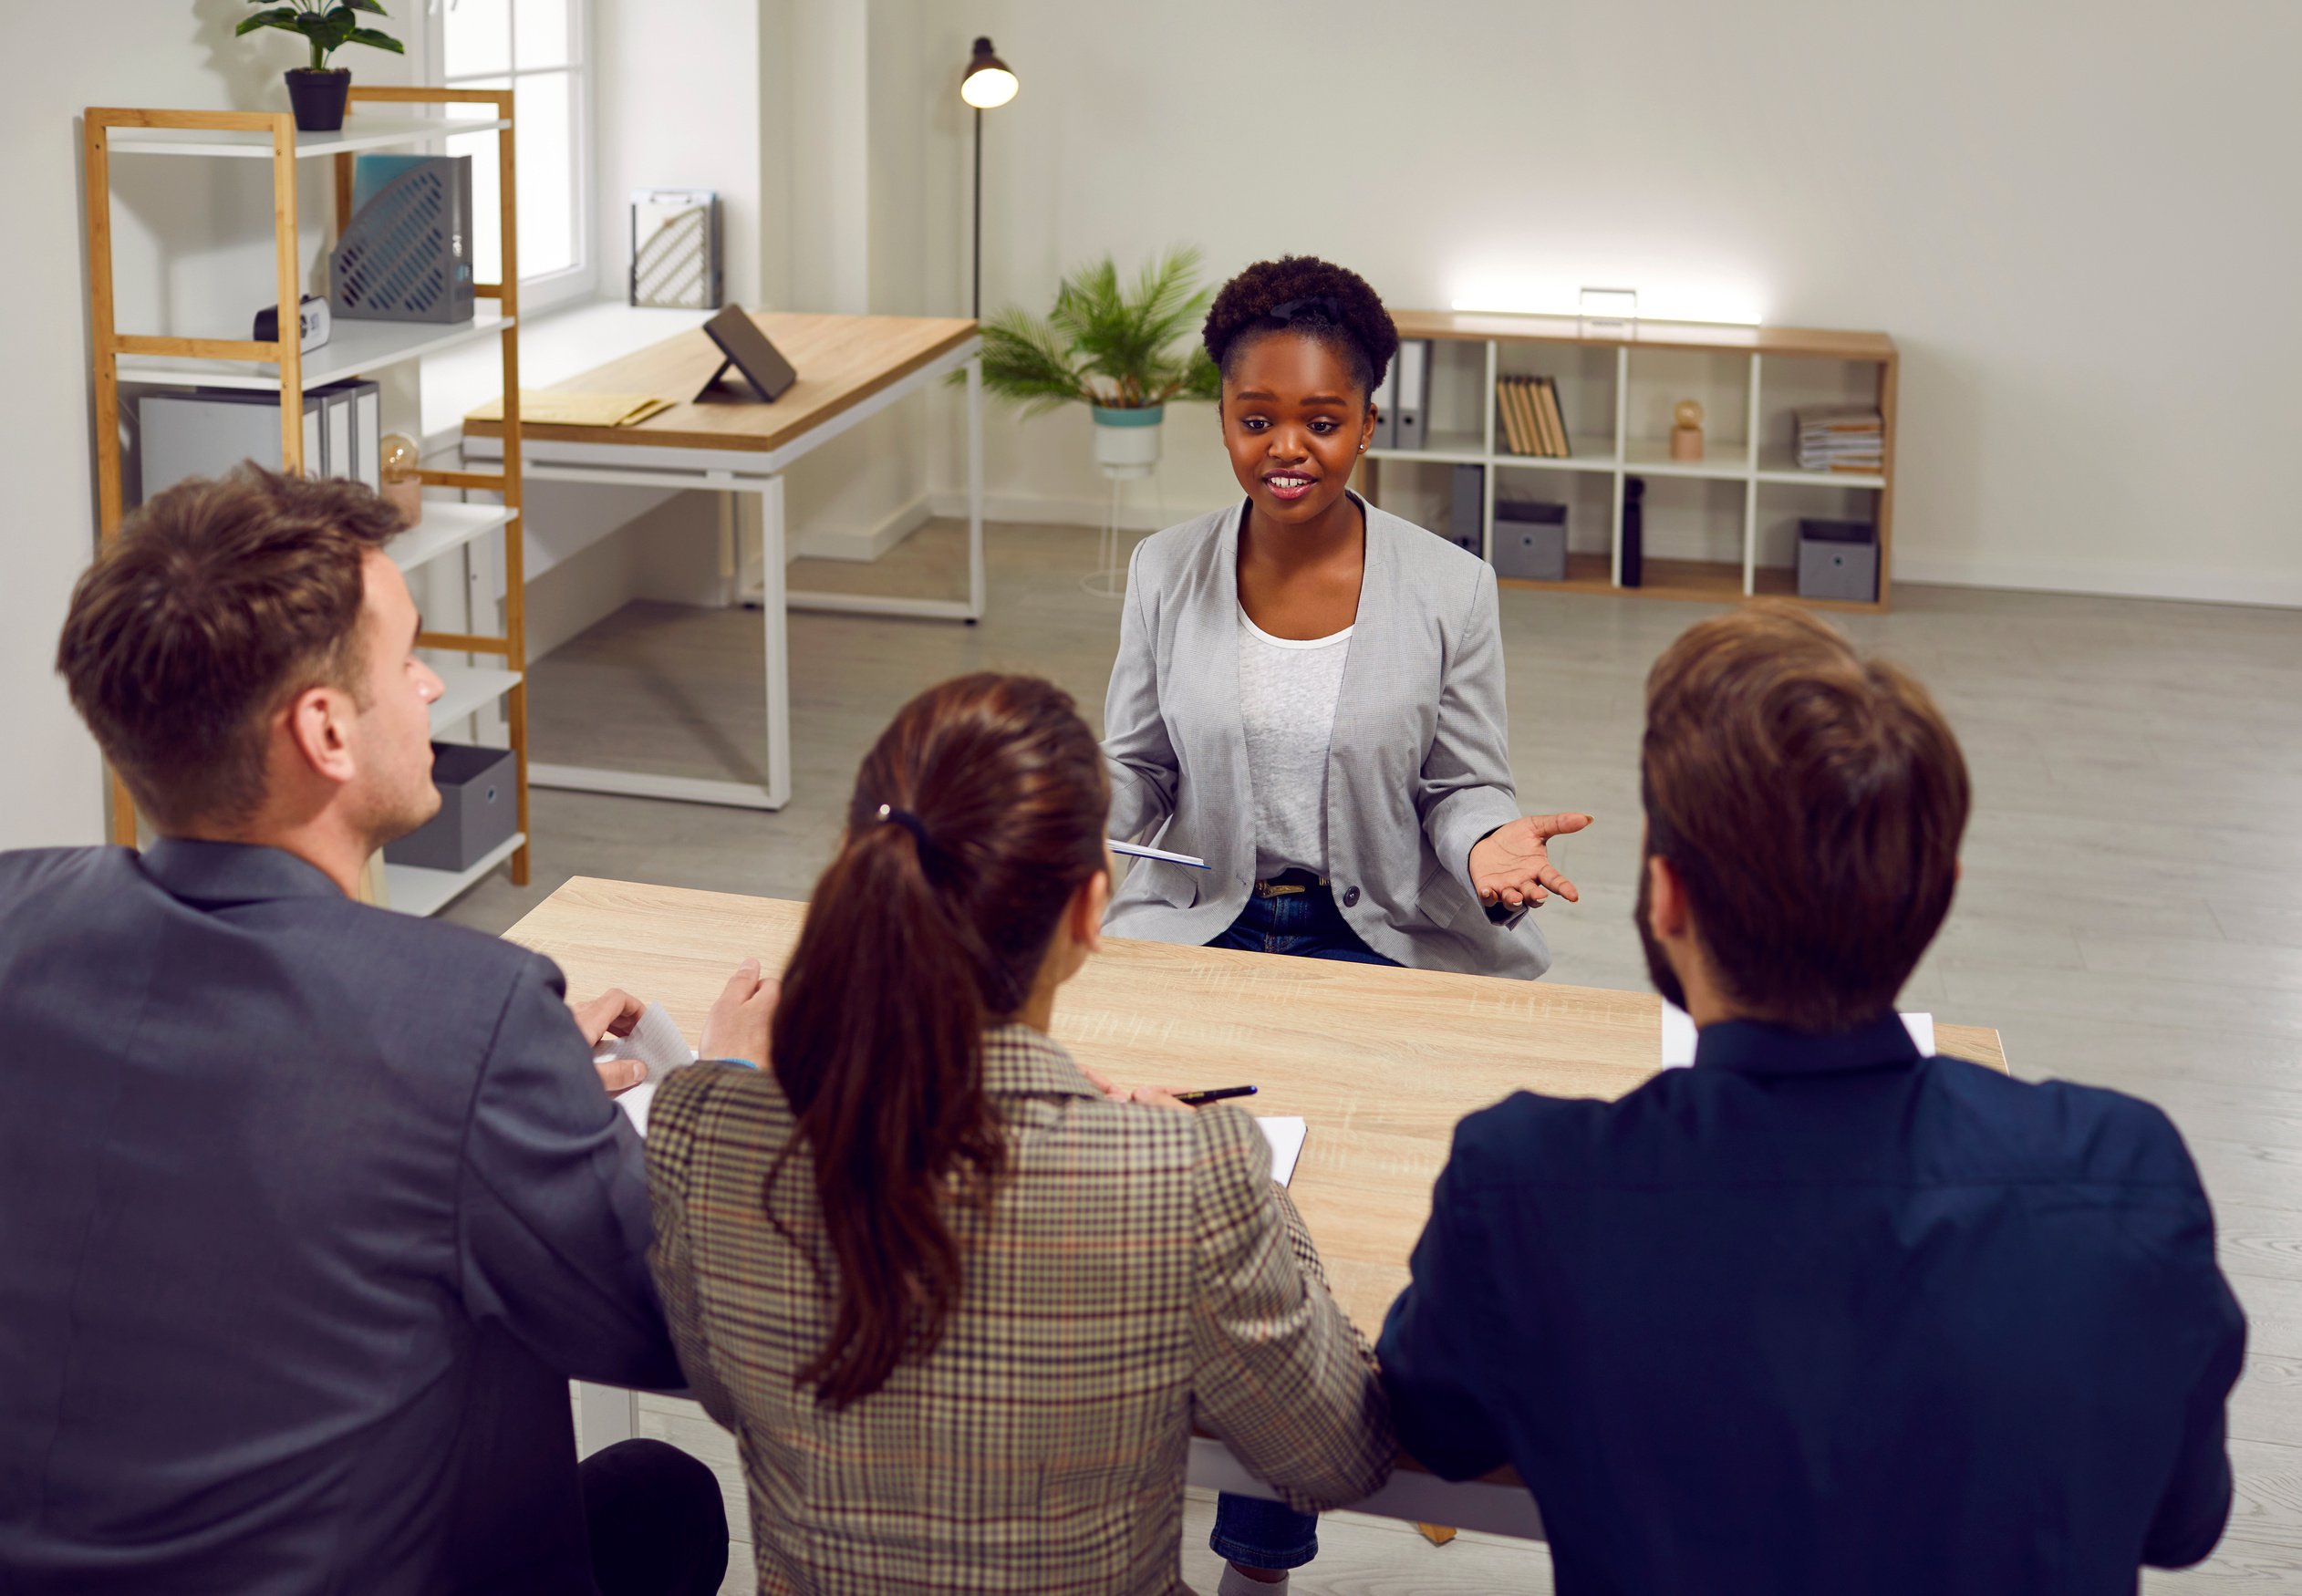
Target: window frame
{"points": [[579, 282]]}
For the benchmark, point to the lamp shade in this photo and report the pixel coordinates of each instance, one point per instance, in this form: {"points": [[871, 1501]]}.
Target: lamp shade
{"points": [[988, 82]]}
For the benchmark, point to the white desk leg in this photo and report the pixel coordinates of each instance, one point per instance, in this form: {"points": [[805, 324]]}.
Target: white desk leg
{"points": [[608, 1413], [975, 489], [774, 587]]}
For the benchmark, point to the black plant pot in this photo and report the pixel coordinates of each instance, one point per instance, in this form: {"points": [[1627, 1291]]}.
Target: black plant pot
{"points": [[318, 97]]}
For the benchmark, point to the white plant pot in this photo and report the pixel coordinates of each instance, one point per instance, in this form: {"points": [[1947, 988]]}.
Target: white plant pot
{"points": [[1127, 441]]}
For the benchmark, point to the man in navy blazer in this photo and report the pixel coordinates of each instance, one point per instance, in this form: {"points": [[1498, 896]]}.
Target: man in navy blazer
{"points": [[308, 1211], [1820, 1315]]}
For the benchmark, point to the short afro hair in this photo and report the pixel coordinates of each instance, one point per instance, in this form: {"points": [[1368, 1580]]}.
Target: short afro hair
{"points": [[1305, 294]]}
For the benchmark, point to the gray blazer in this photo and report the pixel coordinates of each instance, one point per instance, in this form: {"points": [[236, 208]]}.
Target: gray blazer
{"points": [[1417, 770]]}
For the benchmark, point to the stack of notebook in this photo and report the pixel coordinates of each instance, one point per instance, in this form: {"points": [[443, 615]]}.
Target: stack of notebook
{"points": [[1849, 437], [1532, 421]]}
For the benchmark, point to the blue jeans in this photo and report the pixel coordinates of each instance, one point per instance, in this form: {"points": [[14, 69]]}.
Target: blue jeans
{"points": [[1304, 925], [1251, 1530], [1263, 1534]]}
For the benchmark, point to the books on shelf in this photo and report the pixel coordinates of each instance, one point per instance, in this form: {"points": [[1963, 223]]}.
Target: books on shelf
{"points": [[1842, 438], [1533, 422]]}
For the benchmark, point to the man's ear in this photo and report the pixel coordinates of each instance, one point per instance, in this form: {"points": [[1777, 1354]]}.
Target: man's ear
{"points": [[318, 728], [1667, 914]]}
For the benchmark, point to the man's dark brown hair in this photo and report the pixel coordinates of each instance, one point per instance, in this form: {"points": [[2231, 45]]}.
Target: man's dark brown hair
{"points": [[1812, 802], [219, 602]]}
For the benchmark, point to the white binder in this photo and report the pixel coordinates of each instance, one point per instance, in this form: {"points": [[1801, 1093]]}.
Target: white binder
{"points": [[1415, 394]]}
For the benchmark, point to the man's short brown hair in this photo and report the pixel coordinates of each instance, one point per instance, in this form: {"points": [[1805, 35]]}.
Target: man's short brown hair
{"points": [[1812, 802], [219, 601]]}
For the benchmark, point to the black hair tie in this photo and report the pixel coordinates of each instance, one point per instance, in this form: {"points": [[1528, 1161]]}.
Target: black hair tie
{"points": [[1314, 307], [910, 823]]}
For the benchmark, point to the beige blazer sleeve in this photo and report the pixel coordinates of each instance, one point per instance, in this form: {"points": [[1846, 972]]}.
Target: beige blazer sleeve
{"points": [[1280, 1373]]}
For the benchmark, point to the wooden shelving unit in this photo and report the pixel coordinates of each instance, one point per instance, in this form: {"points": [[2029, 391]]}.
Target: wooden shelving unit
{"points": [[495, 664], [1612, 384]]}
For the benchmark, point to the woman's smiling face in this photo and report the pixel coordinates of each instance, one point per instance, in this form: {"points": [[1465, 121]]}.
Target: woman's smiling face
{"points": [[1295, 419]]}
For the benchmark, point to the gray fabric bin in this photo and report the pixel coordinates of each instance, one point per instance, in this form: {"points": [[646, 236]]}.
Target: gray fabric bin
{"points": [[1531, 540], [478, 808], [1839, 559]]}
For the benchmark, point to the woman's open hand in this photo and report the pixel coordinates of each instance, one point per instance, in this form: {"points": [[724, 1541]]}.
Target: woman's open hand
{"points": [[1512, 865]]}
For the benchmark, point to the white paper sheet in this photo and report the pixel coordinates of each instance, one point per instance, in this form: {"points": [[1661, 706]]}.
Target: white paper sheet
{"points": [[657, 1043], [1678, 1035], [1285, 1133]]}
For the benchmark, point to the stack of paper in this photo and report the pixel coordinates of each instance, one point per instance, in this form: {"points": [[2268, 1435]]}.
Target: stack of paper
{"points": [[1285, 1133], [1847, 438], [655, 1041], [1678, 1035]]}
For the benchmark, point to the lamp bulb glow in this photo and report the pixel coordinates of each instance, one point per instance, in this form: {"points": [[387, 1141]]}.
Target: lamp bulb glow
{"points": [[989, 86]]}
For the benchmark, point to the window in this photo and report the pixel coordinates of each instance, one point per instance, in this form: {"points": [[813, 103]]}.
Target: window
{"points": [[538, 48]]}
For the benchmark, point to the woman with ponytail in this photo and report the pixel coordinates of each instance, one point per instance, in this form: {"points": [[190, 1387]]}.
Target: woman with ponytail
{"points": [[959, 1303]]}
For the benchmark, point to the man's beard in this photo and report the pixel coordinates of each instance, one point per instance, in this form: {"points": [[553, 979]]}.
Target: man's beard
{"points": [[1658, 963]]}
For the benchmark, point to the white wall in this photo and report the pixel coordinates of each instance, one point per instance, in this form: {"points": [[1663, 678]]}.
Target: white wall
{"points": [[678, 107], [2079, 222], [178, 53]]}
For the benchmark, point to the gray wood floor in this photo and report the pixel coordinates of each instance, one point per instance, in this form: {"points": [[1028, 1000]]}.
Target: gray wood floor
{"points": [[2130, 916]]}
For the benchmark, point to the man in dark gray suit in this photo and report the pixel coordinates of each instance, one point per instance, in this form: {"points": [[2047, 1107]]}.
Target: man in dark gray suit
{"points": [[308, 1211]]}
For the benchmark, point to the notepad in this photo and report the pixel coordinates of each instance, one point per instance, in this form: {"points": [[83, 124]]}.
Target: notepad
{"points": [[554, 407], [655, 1041], [1678, 1035], [1285, 1133]]}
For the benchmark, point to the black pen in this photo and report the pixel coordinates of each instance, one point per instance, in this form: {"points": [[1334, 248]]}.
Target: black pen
{"points": [[1197, 1098]]}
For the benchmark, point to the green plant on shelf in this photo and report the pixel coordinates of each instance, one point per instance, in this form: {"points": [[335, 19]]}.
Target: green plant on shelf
{"points": [[1104, 344], [328, 25]]}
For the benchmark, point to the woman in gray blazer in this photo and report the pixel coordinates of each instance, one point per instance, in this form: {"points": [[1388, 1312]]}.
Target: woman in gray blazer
{"points": [[1309, 695], [1309, 692]]}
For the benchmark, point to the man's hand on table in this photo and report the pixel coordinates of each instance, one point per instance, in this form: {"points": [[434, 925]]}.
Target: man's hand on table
{"points": [[737, 1027], [612, 1014]]}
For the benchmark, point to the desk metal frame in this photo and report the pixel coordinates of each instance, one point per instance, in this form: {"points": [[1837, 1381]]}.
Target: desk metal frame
{"points": [[760, 472]]}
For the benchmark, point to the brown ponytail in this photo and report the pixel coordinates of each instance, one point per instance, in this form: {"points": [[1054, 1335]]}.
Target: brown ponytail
{"points": [[929, 926]]}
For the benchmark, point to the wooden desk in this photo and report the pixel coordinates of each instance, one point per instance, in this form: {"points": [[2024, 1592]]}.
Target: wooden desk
{"points": [[1383, 1062], [850, 368]]}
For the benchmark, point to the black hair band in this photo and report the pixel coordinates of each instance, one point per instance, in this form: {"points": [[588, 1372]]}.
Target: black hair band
{"points": [[1315, 307], [910, 821]]}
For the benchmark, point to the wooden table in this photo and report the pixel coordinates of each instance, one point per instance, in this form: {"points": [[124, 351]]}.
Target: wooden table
{"points": [[1382, 1063], [850, 368]]}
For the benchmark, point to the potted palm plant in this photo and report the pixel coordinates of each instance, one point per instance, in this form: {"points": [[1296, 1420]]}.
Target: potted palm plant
{"points": [[1112, 348], [318, 91]]}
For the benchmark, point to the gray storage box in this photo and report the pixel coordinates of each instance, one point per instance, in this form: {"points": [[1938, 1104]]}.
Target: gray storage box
{"points": [[1531, 540], [478, 808], [1839, 559]]}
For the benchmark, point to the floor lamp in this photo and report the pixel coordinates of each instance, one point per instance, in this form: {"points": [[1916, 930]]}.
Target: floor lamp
{"points": [[987, 83]]}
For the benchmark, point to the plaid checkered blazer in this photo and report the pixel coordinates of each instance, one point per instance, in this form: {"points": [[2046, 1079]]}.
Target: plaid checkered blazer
{"points": [[1137, 1273]]}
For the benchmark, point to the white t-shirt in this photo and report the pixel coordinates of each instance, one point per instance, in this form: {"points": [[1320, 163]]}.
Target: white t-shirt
{"points": [[1288, 691]]}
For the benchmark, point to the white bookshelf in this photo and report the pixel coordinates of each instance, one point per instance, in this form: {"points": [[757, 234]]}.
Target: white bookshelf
{"points": [[413, 890], [467, 689], [446, 527], [354, 349], [1617, 388], [381, 118]]}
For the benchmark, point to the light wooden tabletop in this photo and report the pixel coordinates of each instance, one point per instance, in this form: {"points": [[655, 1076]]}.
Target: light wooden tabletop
{"points": [[1382, 1063], [841, 360]]}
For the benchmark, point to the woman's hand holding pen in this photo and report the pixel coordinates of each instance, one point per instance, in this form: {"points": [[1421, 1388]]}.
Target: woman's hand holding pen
{"points": [[1512, 865], [1157, 1096]]}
